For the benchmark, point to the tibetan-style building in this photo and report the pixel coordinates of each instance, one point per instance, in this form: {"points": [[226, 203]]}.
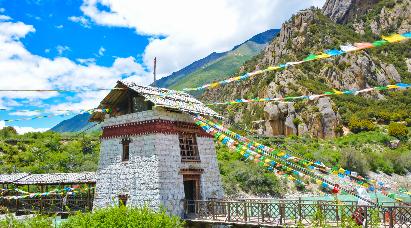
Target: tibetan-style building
{"points": [[152, 153]]}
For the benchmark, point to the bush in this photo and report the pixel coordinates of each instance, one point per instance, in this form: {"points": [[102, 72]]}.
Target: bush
{"points": [[38, 221], [245, 176], [354, 160], [123, 217], [359, 125], [398, 130]]}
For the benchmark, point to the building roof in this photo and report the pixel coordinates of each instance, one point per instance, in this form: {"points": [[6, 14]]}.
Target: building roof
{"points": [[171, 99], [10, 178], [51, 178]]}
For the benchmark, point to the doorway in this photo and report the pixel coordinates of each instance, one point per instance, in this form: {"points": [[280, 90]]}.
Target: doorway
{"points": [[191, 191]]}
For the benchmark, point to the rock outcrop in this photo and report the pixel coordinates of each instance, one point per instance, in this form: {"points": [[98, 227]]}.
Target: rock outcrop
{"points": [[306, 32]]}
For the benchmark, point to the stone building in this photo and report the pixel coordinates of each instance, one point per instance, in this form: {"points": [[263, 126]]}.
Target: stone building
{"points": [[152, 153]]}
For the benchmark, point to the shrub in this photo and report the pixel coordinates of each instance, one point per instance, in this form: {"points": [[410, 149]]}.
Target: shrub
{"points": [[38, 221], [359, 125], [354, 160], [398, 130], [123, 217]]}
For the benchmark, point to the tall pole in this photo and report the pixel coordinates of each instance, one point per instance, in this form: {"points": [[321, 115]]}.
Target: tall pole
{"points": [[155, 65]]}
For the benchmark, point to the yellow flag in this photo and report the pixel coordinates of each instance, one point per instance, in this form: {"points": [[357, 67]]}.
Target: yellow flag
{"points": [[394, 38], [392, 86]]}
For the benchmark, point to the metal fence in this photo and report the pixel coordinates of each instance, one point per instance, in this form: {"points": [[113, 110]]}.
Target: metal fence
{"points": [[295, 213]]}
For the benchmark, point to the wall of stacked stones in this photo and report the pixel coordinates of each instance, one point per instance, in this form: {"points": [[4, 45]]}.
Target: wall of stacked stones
{"points": [[152, 174]]}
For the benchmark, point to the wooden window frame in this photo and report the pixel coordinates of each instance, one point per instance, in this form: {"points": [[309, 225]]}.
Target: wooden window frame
{"points": [[125, 155], [188, 147]]}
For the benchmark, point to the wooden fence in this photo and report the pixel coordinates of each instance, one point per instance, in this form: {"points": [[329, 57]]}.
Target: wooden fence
{"points": [[294, 213], [49, 204]]}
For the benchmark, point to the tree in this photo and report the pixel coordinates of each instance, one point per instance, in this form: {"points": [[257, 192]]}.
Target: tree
{"points": [[7, 132]]}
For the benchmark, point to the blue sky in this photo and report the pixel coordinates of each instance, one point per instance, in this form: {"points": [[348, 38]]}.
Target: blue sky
{"points": [[81, 44]]}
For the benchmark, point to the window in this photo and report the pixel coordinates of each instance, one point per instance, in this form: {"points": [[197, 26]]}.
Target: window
{"points": [[188, 147], [126, 149], [122, 199]]}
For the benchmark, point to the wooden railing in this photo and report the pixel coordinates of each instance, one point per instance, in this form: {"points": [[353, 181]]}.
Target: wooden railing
{"points": [[49, 204], [293, 213]]}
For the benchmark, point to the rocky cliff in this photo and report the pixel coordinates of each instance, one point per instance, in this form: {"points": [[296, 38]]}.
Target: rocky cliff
{"points": [[313, 30]]}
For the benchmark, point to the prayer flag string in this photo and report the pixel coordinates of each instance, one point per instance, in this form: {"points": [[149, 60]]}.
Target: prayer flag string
{"points": [[315, 96], [326, 54], [367, 183]]}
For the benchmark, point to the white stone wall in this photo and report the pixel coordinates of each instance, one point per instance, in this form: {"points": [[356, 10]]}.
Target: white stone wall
{"points": [[151, 176]]}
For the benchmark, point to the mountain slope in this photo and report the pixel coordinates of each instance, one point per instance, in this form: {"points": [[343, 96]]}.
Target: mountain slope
{"points": [[310, 31], [217, 65], [74, 124]]}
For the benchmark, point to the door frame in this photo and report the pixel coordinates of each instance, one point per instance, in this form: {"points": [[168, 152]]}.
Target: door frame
{"points": [[196, 178]]}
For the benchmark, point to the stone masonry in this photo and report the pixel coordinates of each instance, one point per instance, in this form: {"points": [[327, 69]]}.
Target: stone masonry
{"points": [[152, 176]]}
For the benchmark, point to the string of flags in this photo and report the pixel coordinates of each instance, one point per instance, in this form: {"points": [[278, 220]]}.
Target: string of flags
{"points": [[315, 96], [349, 176], [320, 180], [251, 155], [246, 150], [70, 112], [323, 55], [55, 192]]}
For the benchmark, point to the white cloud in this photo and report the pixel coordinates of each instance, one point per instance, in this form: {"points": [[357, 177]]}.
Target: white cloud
{"points": [[60, 26], [4, 18], [61, 49], [193, 29], [23, 130], [25, 113], [21, 69], [101, 51], [81, 20], [2, 10], [87, 61]]}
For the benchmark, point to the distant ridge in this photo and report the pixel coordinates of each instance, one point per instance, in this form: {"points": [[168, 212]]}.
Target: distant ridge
{"points": [[74, 124], [220, 64]]}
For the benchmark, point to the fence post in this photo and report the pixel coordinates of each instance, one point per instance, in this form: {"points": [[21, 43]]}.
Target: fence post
{"points": [[213, 209], [245, 211], [228, 211], [299, 210], [337, 216], [391, 218], [262, 211], [366, 216], [88, 197], [282, 214]]}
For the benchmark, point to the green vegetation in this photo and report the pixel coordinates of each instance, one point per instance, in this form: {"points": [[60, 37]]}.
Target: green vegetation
{"points": [[48, 152], [221, 68], [114, 217], [357, 125], [240, 176], [398, 130], [360, 152], [123, 217], [38, 221]]}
